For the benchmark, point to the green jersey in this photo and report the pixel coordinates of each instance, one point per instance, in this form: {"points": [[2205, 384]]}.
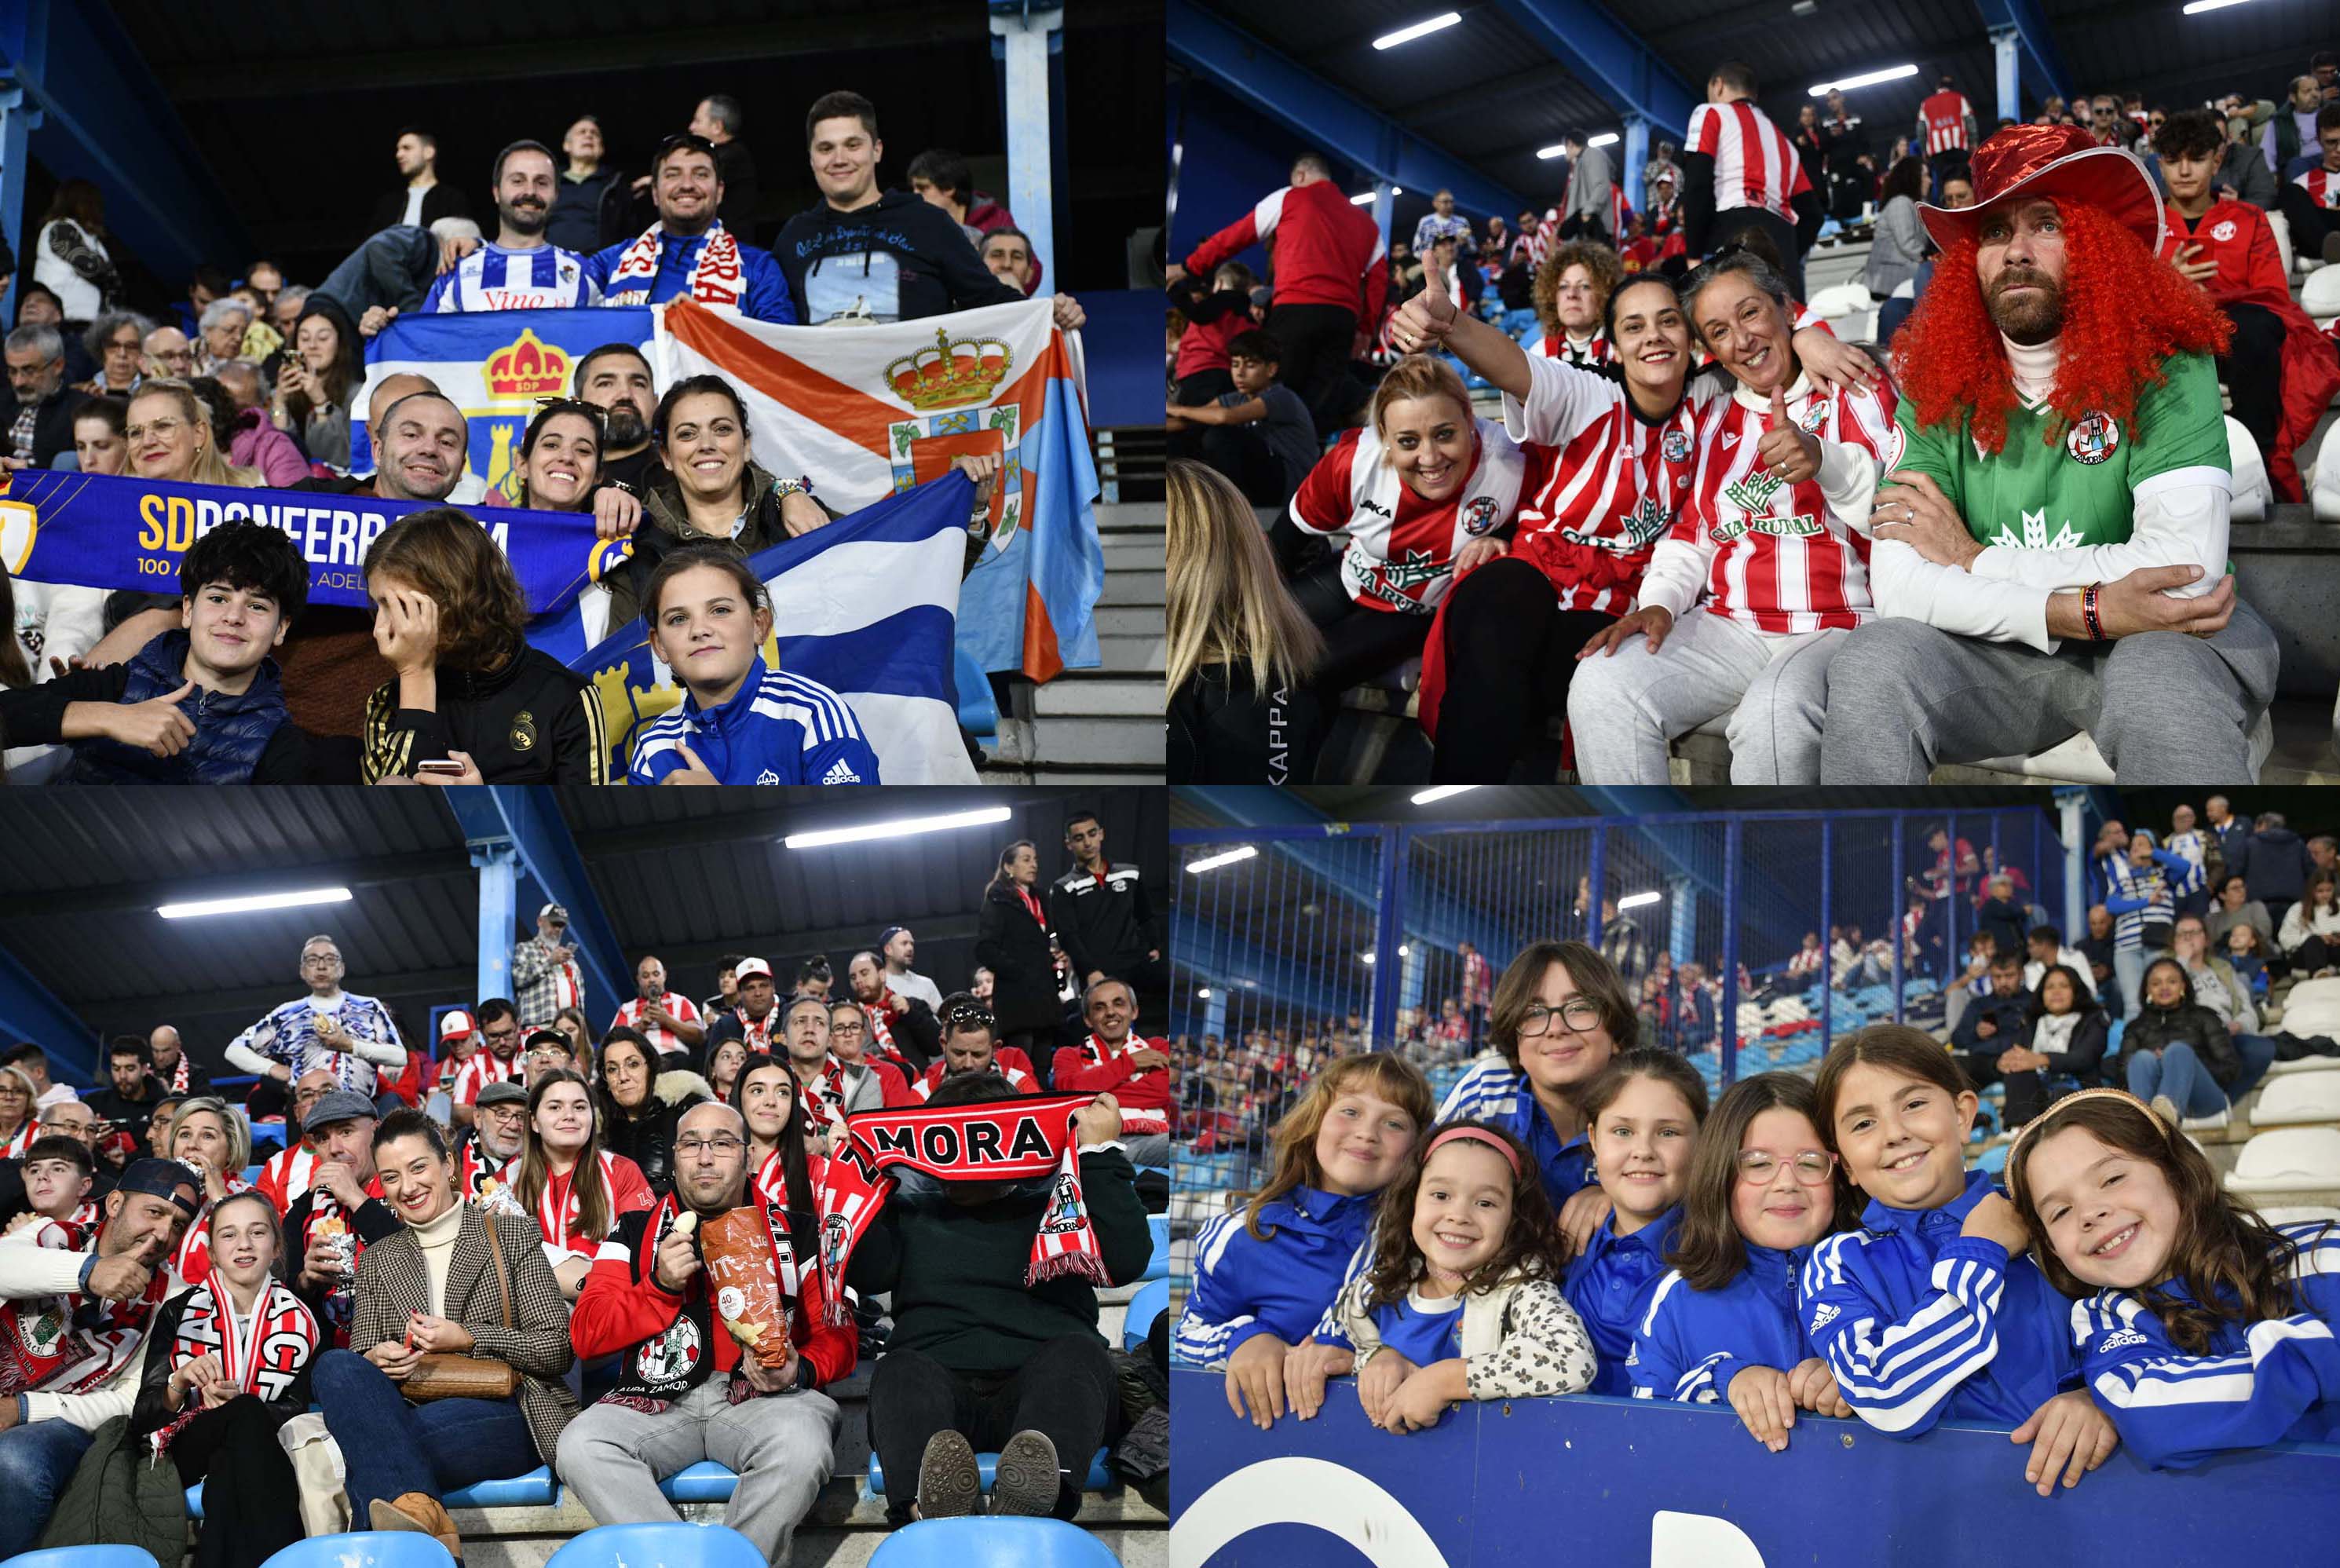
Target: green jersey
{"points": [[2053, 488]]}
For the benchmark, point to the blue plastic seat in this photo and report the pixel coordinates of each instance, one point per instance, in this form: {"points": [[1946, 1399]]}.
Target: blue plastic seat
{"points": [[1152, 1300], [989, 1544], [373, 1548], [1099, 1477], [704, 1482], [978, 713], [670, 1546], [88, 1557], [1994, 1159], [1158, 1266], [534, 1489]]}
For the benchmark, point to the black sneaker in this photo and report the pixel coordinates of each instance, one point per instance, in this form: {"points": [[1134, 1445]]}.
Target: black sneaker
{"points": [[1025, 1481], [949, 1486]]}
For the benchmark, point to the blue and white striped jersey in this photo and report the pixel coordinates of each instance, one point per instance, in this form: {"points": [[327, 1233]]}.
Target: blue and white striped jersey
{"points": [[1918, 1322], [494, 279], [2141, 895], [2276, 1380], [1496, 1092], [1283, 1286]]}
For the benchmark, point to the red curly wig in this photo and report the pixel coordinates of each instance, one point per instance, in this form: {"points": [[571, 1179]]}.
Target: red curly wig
{"points": [[2124, 312]]}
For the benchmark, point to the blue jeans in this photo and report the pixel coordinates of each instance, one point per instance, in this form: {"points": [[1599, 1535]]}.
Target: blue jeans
{"points": [[2258, 1052], [2128, 974], [392, 1448], [2178, 1073], [35, 1462], [393, 267]]}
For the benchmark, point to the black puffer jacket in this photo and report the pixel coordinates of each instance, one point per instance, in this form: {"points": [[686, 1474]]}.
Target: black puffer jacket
{"points": [[1015, 948], [2189, 1023]]}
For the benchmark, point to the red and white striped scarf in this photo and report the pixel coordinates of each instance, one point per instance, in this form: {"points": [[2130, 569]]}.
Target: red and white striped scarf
{"points": [[824, 1097], [179, 1075], [193, 1259], [558, 1207], [716, 278], [68, 1343], [881, 1034], [1000, 1140], [262, 1353], [757, 1036], [20, 1140], [1132, 1119]]}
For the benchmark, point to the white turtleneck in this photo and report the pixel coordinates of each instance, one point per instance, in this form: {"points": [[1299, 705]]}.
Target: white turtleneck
{"points": [[2034, 367], [437, 1239]]}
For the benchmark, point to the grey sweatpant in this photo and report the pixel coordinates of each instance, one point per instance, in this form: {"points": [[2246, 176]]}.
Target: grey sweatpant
{"points": [[2164, 708], [1624, 708], [781, 1446]]}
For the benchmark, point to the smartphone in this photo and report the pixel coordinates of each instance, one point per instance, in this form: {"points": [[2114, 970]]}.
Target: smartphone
{"points": [[441, 769]]}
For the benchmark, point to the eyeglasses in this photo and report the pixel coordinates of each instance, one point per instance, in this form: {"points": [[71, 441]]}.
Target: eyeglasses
{"points": [[721, 1143], [165, 430], [1812, 1169], [1580, 1014]]}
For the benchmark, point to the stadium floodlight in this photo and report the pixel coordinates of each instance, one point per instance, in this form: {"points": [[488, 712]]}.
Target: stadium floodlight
{"points": [[1227, 857], [1867, 79], [1202, 994], [899, 827], [1605, 139], [257, 901], [1365, 198], [2209, 6], [1364, 957], [1420, 29], [1425, 796], [1635, 901]]}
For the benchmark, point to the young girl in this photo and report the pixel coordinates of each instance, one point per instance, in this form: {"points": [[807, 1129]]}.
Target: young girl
{"points": [[2311, 931], [2244, 956], [779, 1172], [2208, 1329], [2177, 1047], [1642, 1115], [1931, 1308], [741, 721], [572, 1187], [1265, 1275], [1761, 1189], [1460, 1301]]}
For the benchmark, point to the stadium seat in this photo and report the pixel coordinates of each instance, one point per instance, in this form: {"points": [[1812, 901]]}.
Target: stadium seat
{"points": [[704, 1482], [992, 1543], [978, 713], [2320, 295], [1152, 1300], [2303, 1065], [537, 1489], [91, 1557], [2324, 494], [2312, 1008], [663, 1545], [1099, 1477], [2307, 1214], [1158, 1266], [365, 1548], [2299, 1097], [2252, 494], [2077, 760], [2287, 1159]]}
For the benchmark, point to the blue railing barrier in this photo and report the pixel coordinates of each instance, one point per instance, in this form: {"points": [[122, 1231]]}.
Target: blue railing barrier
{"points": [[1585, 1480]]}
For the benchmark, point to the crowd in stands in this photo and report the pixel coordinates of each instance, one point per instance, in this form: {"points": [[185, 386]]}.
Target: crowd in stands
{"points": [[1691, 497], [489, 1248], [1576, 1215], [252, 382]]}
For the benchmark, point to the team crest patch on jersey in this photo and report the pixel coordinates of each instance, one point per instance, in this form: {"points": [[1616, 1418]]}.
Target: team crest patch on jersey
{"points": [[1675, 446], [2118, 1339], [2224, 231], [1480, 515], [523, 731], [767, 776], [2095, 438], [1816, 414]]}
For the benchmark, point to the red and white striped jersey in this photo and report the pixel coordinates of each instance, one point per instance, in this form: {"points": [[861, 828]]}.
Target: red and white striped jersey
{"points": [[476, 1072], [1778, 558], [1946, 114], [677, 1006], [287, 1174], [1605, 484], [2322, 185], [1591, 354], [1401, 548], [1755, 164]]}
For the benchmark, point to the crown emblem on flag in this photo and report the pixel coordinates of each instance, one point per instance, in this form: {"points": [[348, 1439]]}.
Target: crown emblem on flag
{"points": [[956, 370], [528, 368]]}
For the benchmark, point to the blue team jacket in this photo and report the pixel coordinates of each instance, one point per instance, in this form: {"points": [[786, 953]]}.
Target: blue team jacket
{"points": [[1689, 1344], [776, 729], [1282, 1285], [1610, 1285], [2274, 1381], [1494, 1091], [764, 288], [1918, 1322]]}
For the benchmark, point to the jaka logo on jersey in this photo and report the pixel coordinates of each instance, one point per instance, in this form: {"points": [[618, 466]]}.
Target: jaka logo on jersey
{"points": [[2094, 439], [1376, 508], [1479, 516]]}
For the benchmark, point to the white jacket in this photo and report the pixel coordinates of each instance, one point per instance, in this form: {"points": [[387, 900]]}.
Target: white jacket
{"points": [[32, 1272], [1520, 1340]]}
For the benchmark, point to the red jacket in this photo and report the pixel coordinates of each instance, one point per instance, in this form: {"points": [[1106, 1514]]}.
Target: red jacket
{"points": [[1327, 251], [1072, 1072], [2236, 236]]}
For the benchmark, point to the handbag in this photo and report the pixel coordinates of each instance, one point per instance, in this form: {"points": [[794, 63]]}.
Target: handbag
{"points": [[448, 1375]]}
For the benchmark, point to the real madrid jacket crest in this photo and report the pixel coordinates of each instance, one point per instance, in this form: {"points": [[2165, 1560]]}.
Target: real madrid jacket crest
{"points": [[531, 723]]}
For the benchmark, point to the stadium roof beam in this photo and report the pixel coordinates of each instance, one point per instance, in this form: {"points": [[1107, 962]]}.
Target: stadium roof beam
{"points": [[31, 1011], [1481, 96], [1605, 55], [518, 840], [100, 115], [1248, 70], [354, 875], [2042, 67]]}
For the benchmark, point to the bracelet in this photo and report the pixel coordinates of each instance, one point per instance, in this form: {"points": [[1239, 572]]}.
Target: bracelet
{"points": [[2089, 616]]}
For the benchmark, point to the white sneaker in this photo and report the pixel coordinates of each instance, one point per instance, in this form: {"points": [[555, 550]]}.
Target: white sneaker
{"points": [[2208, 1124]]}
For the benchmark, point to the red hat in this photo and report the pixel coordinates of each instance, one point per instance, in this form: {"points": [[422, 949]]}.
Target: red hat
{"points": [[2064, 161]]}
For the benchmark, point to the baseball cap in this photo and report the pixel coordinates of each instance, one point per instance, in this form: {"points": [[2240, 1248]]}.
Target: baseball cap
{"points": [[339, 1106], [554, 913], [543, 1035], [749, 967], [888, 934], [504, 1092], [455, 1023], [166, 1179]]}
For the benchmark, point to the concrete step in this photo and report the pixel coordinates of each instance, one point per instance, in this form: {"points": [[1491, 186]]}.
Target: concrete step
{"points": [[1134, 588], [1129, 742], [1128, 621], [1130, 655], [1078, 694], [1130, 514], [1133, 552]]}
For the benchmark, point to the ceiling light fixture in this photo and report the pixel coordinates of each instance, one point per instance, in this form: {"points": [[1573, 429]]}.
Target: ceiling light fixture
{"points": [[256, 901], [901, 826], [1425, 796], [1227, 857], [1869, 79], [1420, 29]]}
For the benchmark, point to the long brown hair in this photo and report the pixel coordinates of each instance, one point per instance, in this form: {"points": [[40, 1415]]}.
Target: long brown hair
{"points": [[592, 1194], [1227, 606], [80, 202], [1386, 1074], [1707, 1246], [804, 1233], [2235, 1265], [1529, 1249], [1594, 976], [483, 614], [1896, 1049]]}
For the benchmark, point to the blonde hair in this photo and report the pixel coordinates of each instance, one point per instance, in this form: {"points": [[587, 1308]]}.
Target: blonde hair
{"points": [[239, 1137], [1384, 1075], [212, 466], [1417, 376], [1226, 604]]}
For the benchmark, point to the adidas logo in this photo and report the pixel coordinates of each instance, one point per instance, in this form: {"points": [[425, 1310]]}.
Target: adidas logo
{"points": [[1822, 1315], [842, 773], [1633, 1357], [2120, 1339]]}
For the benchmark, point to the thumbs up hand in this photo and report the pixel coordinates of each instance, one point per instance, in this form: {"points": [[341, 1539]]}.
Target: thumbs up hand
{"points": [[1785, 448], [1423, 321]]}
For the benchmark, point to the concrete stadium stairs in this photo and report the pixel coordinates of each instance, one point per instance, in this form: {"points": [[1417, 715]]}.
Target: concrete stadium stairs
{"points": [[1101, 726]]}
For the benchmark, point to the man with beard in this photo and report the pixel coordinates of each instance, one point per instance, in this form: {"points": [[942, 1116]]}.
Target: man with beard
{"points": [[689, 252], [897, 1024], [616, 378], [2051, 555], [520, 270]]}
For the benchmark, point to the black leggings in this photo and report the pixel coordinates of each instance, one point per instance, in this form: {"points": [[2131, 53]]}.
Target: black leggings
{"points": [[1359, 641], [1066, 1390], [1511, 650]]}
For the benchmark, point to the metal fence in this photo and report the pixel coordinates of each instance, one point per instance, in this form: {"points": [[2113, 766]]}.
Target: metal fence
{"points": [[1289, 945]]}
